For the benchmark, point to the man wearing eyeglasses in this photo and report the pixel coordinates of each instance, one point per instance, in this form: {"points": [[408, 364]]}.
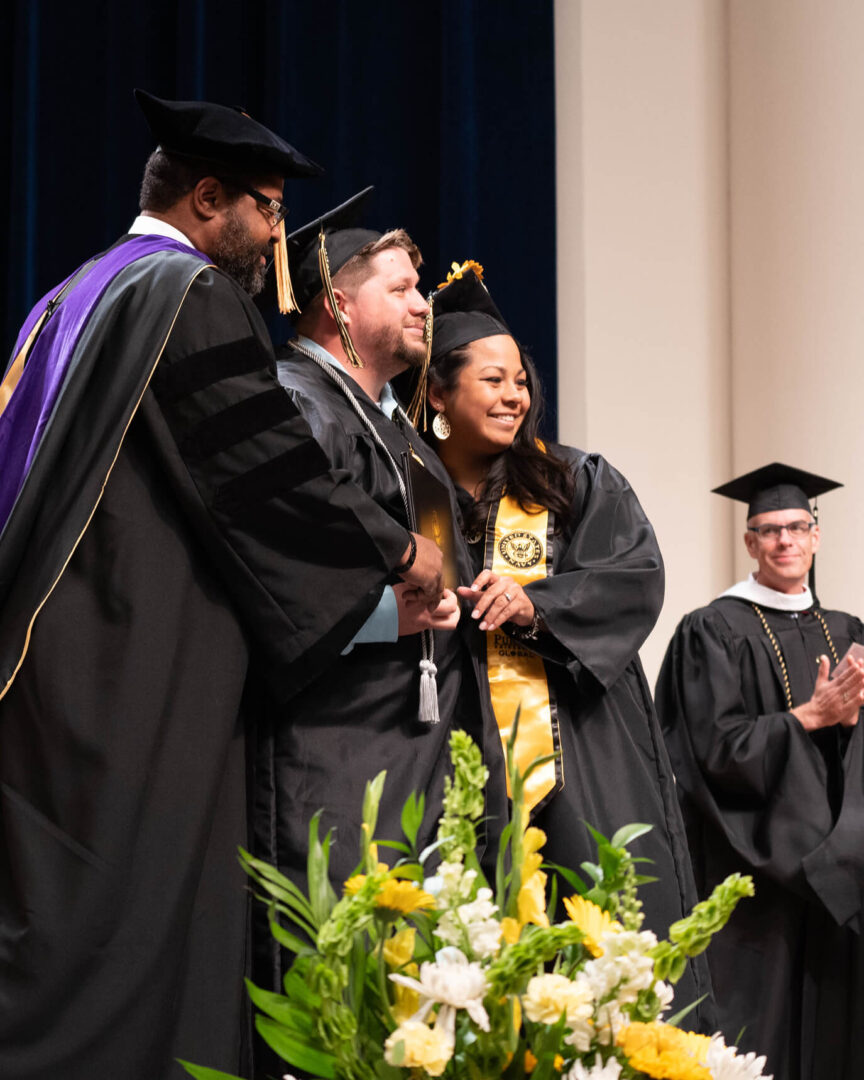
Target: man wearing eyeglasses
{"points": [[760, 706], [171, 538]]}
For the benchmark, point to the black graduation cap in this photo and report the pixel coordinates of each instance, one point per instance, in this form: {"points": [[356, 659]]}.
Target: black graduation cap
{"points": [[342, 238], [320, 248], [219, 133], [463, 311], [776, 487]]}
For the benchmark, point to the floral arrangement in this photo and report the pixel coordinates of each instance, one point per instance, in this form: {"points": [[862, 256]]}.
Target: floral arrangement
{"points": [[413, 974]]}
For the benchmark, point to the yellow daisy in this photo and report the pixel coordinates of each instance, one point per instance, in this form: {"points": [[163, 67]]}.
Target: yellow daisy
{"points": [[592, 920], [401, 898], [399, 948], [665, 1052]]}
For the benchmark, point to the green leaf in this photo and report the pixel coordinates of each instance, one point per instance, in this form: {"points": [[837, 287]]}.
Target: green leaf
{"points": [[321, 1064], [297, 989], [628, 833], [570, 876], [397, 845], [205, 1074], [280, 1008], [593, 871], [644, 879], [675, 1020], [412, 816], [322, 898], [285, 937]]}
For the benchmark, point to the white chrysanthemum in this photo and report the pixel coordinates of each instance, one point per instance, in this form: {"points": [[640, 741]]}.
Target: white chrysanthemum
{"points": [[625, 967], [475, 921], [548, 996], [452, 982], [598, 1071], [725, 1064]]}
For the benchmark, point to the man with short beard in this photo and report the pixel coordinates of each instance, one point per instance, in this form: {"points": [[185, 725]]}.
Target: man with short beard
{"points": [[367, 711], [157, 490]]}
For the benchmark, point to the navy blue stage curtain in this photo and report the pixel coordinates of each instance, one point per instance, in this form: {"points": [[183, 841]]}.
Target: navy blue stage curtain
{"points": [[446, 107]]}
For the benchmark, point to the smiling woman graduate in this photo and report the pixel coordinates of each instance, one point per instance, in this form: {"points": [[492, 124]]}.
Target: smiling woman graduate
{"points": [[568, 584]]}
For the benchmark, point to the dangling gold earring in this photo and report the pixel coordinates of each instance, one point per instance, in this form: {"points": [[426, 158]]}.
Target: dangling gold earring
{"points": [[441, 426]]}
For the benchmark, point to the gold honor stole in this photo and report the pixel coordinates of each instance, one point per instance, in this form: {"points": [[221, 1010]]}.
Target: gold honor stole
{"points": [[518, 546]]}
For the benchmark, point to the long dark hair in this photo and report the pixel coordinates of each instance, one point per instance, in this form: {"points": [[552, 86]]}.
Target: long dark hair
{"points": [[533, 477]]}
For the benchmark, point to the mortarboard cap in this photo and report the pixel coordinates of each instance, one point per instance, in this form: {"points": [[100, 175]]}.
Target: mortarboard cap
{"points": [[221, 134], [776, 487], [320, 249], [343, 239], [463, 310]]}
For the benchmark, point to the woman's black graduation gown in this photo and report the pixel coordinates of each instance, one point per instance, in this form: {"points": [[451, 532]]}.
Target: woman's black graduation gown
{"points": [[599, 603], [763, 796]]}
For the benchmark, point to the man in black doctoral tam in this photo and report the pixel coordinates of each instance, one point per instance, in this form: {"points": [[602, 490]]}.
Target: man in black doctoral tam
{"points": [[760, 709], [157, 498], [392, 698]]}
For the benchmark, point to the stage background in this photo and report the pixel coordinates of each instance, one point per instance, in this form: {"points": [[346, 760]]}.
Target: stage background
{"points": [[684, 176], [446, 107]]}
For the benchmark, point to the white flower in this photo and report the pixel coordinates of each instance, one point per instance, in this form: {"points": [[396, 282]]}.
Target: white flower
{"points": [[598, 1071], [546, 997], [725, 1064], [475, 922], [625, 967], [664, 993], [452, 884], [452, 982]]}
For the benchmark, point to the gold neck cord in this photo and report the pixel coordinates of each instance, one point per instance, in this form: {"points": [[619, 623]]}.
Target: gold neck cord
{"points": [[775, 644]]}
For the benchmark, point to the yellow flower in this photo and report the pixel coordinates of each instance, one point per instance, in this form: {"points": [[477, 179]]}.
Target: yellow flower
{"points": [[456, 271], [354, 884], [558, 1063], [406, 1001], [532, 900], [510, 929], [399, 948], [530, 1062], [665, 1052], [592, 920], [532, 842], [413, 1045], [402, 897]]}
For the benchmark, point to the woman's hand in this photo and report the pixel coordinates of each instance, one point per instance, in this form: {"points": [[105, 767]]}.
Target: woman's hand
{"points": [[497, 599], [416, 613]]}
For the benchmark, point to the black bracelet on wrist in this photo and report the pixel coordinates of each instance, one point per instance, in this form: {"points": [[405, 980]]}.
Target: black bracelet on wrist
{"points": [[530, 632], [404, 567]]}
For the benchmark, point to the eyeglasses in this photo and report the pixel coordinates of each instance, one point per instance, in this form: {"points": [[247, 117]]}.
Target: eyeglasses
{"points": [[797, 529], [275, 210]]}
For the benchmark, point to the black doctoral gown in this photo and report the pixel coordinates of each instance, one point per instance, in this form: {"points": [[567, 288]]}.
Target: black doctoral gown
{"points": [[599, 602], [763, 796], [123, 913], [361, 715]]}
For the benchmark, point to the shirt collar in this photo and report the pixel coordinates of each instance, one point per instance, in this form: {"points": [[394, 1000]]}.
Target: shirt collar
{"points": [[760, 594], [144, 225], [388, 403]]}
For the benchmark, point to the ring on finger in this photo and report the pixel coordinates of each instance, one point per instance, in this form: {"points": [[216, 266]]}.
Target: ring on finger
{"points": [[508, 597]]}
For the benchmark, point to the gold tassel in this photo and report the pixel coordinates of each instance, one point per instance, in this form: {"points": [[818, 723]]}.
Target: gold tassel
{"points": [[418, 401], [344, 336], [284, 289]]}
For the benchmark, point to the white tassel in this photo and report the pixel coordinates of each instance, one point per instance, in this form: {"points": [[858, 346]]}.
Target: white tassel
{"points": [[428, 693]]}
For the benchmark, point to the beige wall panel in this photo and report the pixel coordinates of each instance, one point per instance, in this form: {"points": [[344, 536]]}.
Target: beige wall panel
{"points": [[643, 263], [797, 258]]}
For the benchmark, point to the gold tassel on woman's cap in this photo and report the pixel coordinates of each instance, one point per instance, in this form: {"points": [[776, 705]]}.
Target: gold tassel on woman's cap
{"points": [[418, 401], [284, 289], [344, 336]]}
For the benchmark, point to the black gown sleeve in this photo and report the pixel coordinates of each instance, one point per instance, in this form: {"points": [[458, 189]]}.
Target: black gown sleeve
{"points": [[305, 553], [758, 779], [606, 591]]}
